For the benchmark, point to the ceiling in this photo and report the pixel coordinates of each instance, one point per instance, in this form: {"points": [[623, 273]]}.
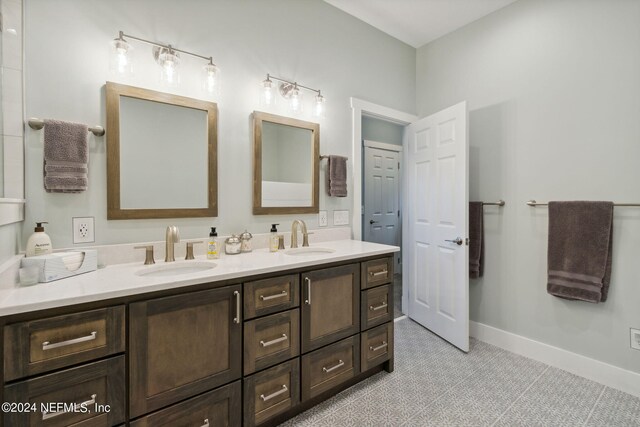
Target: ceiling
{"points": [[417, 22]]}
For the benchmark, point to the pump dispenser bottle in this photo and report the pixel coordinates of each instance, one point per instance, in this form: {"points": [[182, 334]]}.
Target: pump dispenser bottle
{"points": [[273, 238], [213, 251], [39, 242]]}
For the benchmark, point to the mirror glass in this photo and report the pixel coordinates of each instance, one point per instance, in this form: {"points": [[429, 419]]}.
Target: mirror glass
{"points": [[162, 159], [286, 165]]}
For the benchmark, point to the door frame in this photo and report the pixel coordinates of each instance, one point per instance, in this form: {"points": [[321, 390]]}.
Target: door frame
{"points": [[359, 108]]}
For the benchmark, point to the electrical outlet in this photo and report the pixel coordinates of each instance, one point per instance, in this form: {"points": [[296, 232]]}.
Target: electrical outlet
{"points": [[323, 219], [635, 339], [340, 217], [83, 229]]}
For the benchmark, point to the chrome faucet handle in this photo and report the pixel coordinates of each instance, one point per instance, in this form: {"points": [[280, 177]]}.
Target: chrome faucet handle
{"points": [[148, 255], [190, 249], [305, 238]]}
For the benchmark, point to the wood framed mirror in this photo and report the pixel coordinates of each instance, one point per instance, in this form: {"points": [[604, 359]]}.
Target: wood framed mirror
{"points": [[161, 155], [285, 165]]}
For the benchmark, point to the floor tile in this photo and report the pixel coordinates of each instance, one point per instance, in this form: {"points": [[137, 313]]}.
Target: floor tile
{"points": [[615, 408]]}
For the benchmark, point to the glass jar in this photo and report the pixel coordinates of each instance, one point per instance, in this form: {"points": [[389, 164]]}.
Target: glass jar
{"points": [[245, 241]]}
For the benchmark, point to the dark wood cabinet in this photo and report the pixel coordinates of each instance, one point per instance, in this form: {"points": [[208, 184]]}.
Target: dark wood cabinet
{"points": [[377, 306], [331, 305], [270, 340], [217, 408], [183, 345]]}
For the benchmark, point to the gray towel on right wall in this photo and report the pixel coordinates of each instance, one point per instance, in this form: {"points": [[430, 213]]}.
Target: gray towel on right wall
{"points": [[337, 176], [476, 240], [66, 157], [579, 252]]}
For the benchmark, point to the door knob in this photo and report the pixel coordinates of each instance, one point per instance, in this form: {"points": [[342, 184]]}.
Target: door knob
{"points": [[373, 222], [458, 241]]}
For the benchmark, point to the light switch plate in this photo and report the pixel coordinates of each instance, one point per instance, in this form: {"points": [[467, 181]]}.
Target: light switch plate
{"points": [[635, 339], [83, 229], [340, 217], [323, 219]]}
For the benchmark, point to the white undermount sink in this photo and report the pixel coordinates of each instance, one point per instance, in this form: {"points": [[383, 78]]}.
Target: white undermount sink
{"points": [[174, 269], [309, 251]]}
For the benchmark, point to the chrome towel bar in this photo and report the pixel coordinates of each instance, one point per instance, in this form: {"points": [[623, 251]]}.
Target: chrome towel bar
{"points": [[38, 124]]}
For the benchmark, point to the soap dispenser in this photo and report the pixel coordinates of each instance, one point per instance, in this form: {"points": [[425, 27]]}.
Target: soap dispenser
{"points": [[39, 242], [213, 251], [273, 238]]}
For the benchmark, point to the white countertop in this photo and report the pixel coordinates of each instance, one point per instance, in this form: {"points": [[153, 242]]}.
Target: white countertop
{"points": [[120, 280]]}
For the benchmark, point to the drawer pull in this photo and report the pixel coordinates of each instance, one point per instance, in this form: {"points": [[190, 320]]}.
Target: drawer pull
{"points": [[308, 300], [333, 368], [46, 415], [283, 390], [275, 341], [206, 423], [380, 347], [48, 346], [378, 273], [378, 307], [270, 297], [237, 318]]}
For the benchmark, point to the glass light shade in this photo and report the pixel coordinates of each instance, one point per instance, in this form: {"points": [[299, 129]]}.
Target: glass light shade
{"points": [[211, 79], [267, 94], [169, 61], [295, 101], [120, 57], [318, 106]]}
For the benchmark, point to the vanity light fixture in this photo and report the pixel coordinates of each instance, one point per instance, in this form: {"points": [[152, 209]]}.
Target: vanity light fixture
{"points": [[167, 56], [292, 92]]}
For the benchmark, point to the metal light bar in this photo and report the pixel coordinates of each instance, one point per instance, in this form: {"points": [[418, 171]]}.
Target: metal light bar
{"points": [[122, 35], [269, 77]]}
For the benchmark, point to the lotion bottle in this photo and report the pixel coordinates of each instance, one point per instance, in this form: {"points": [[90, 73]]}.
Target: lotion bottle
{"points": [[213, 252], [39, 242], [273, 238]]}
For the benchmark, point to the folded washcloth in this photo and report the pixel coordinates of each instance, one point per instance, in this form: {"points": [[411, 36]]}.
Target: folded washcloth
{"points": [[476, 240], [579, 253], [337, 176], [66, 156]]}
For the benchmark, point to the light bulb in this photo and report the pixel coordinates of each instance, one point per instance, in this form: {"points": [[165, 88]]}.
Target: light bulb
{"points": [[318, 107], [169, 61], [295, 100], [120, 61], [266, 94], [211, 77]]}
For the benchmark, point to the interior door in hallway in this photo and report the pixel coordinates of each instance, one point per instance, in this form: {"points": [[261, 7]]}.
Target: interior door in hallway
{"points": [[436, 224], [381, 219]]}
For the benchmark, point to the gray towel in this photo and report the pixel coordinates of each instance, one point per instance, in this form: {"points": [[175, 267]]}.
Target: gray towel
{"points": [[579, 254], [476, 240], [66, 156], [337, 176]]}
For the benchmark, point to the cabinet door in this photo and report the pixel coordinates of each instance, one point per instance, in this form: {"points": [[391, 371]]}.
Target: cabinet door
{"points": [[183, 345], [331, 305]]}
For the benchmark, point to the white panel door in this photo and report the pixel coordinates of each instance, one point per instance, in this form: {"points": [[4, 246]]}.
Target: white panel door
{"points": [[436, 224], [381, 196]]}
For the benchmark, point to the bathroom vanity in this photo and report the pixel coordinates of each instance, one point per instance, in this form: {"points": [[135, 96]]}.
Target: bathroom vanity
{"points": [[252, 341]]}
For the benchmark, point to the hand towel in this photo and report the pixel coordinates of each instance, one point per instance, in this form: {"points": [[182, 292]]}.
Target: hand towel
{"points": [[476, 240], [66, 155], [337, 176], [579, 253]]}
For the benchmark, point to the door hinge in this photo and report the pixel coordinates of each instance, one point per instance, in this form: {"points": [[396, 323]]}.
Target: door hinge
{"points": [[398, 214]]}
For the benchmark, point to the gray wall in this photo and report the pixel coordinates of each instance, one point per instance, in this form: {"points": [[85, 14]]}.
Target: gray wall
{"points": [[306, 40], [553, 89], [381, 131]]}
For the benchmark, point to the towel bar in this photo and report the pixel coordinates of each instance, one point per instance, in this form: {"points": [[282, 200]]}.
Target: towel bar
{"points": [[38, 124], [498, 203], [324, 157], [533, 203]]}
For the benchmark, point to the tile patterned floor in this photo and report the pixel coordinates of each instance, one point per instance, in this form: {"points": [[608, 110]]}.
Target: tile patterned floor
{"points": [[434, 384]]}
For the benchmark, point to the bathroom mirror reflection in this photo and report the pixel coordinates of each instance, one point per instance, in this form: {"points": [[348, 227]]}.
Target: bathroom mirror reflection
{"points": [[161, 158], [286, 157]]}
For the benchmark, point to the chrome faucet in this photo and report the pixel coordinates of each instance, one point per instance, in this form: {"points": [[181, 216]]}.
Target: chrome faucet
{"points": [[294, 233], [172, 237]]}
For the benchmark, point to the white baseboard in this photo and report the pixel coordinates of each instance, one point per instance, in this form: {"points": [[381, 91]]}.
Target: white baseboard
{"points": [[592, 369]]}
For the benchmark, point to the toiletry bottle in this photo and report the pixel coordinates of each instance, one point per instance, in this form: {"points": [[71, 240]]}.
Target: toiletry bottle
{"points": [[273, 238], [39, 242], [213, 252]]}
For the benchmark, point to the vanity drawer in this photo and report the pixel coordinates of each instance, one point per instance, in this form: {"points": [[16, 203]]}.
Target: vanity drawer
{"points": [[217, 408], [376, 272], [377, 346], [271, 392], [43, 345], [271, 340], [376, 306], [271, 295], [330, 366], [89, 386]]}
